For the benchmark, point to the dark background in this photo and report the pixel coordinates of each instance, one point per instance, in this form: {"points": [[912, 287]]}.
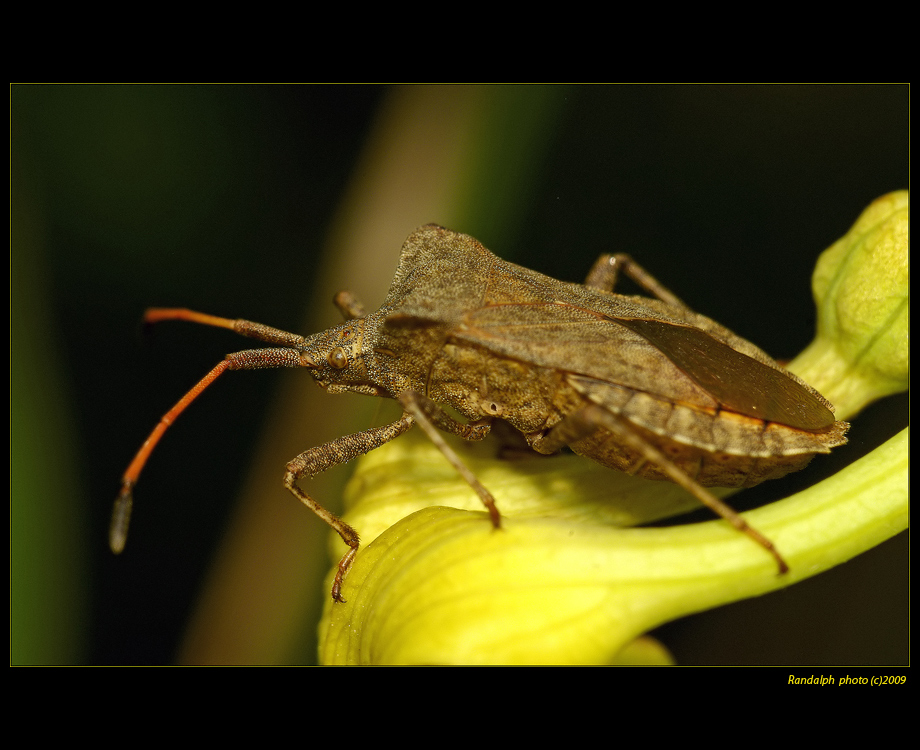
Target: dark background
{"points": [[219, 198]]}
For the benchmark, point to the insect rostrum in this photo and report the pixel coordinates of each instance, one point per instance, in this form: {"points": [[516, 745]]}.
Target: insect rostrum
{"points": [[639, 384]]}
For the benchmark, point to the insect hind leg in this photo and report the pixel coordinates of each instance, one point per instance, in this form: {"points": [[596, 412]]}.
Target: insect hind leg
{"points": [[587, 420]]}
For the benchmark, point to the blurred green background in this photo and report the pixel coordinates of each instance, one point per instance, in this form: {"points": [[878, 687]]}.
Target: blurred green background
{"points": [[222, 198]]}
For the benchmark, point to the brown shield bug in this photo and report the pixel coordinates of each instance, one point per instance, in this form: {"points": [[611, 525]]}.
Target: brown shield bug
{"points": [[639, 384]]}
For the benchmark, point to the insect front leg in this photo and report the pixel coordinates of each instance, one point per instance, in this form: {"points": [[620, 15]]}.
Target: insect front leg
{"points": [[606, 270], [430, 417], [317, 460], [349, 305], [585, 421]]}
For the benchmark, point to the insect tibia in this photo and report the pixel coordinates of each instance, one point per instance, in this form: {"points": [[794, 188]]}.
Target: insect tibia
{"points": [[422, 409], [121, 515], [576, 430]]}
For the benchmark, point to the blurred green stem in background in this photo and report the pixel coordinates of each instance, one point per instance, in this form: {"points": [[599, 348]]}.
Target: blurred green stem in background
{"points": [[48, 591]]}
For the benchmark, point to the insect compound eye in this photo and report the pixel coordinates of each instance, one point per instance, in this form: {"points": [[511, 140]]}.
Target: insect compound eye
{"points": [[338, 358]]}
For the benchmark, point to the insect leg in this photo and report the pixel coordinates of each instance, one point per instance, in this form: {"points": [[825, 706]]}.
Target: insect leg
{"points": [[339, 451], [606, 270], [583, 422], [429, 417], [349, 305], [472, 431]]}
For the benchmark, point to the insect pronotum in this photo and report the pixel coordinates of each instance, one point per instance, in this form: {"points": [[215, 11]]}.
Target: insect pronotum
{"points": [[639, 384]]}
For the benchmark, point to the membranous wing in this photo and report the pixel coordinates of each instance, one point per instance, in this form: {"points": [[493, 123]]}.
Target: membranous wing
{"points": [[645, 352]]}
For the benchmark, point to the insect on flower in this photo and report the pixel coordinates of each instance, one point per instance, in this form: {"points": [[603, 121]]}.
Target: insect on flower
{"points": [[639, 384]]}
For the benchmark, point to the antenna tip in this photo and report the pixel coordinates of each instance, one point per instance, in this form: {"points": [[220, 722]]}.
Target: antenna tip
{"points": [[121, 515]]}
